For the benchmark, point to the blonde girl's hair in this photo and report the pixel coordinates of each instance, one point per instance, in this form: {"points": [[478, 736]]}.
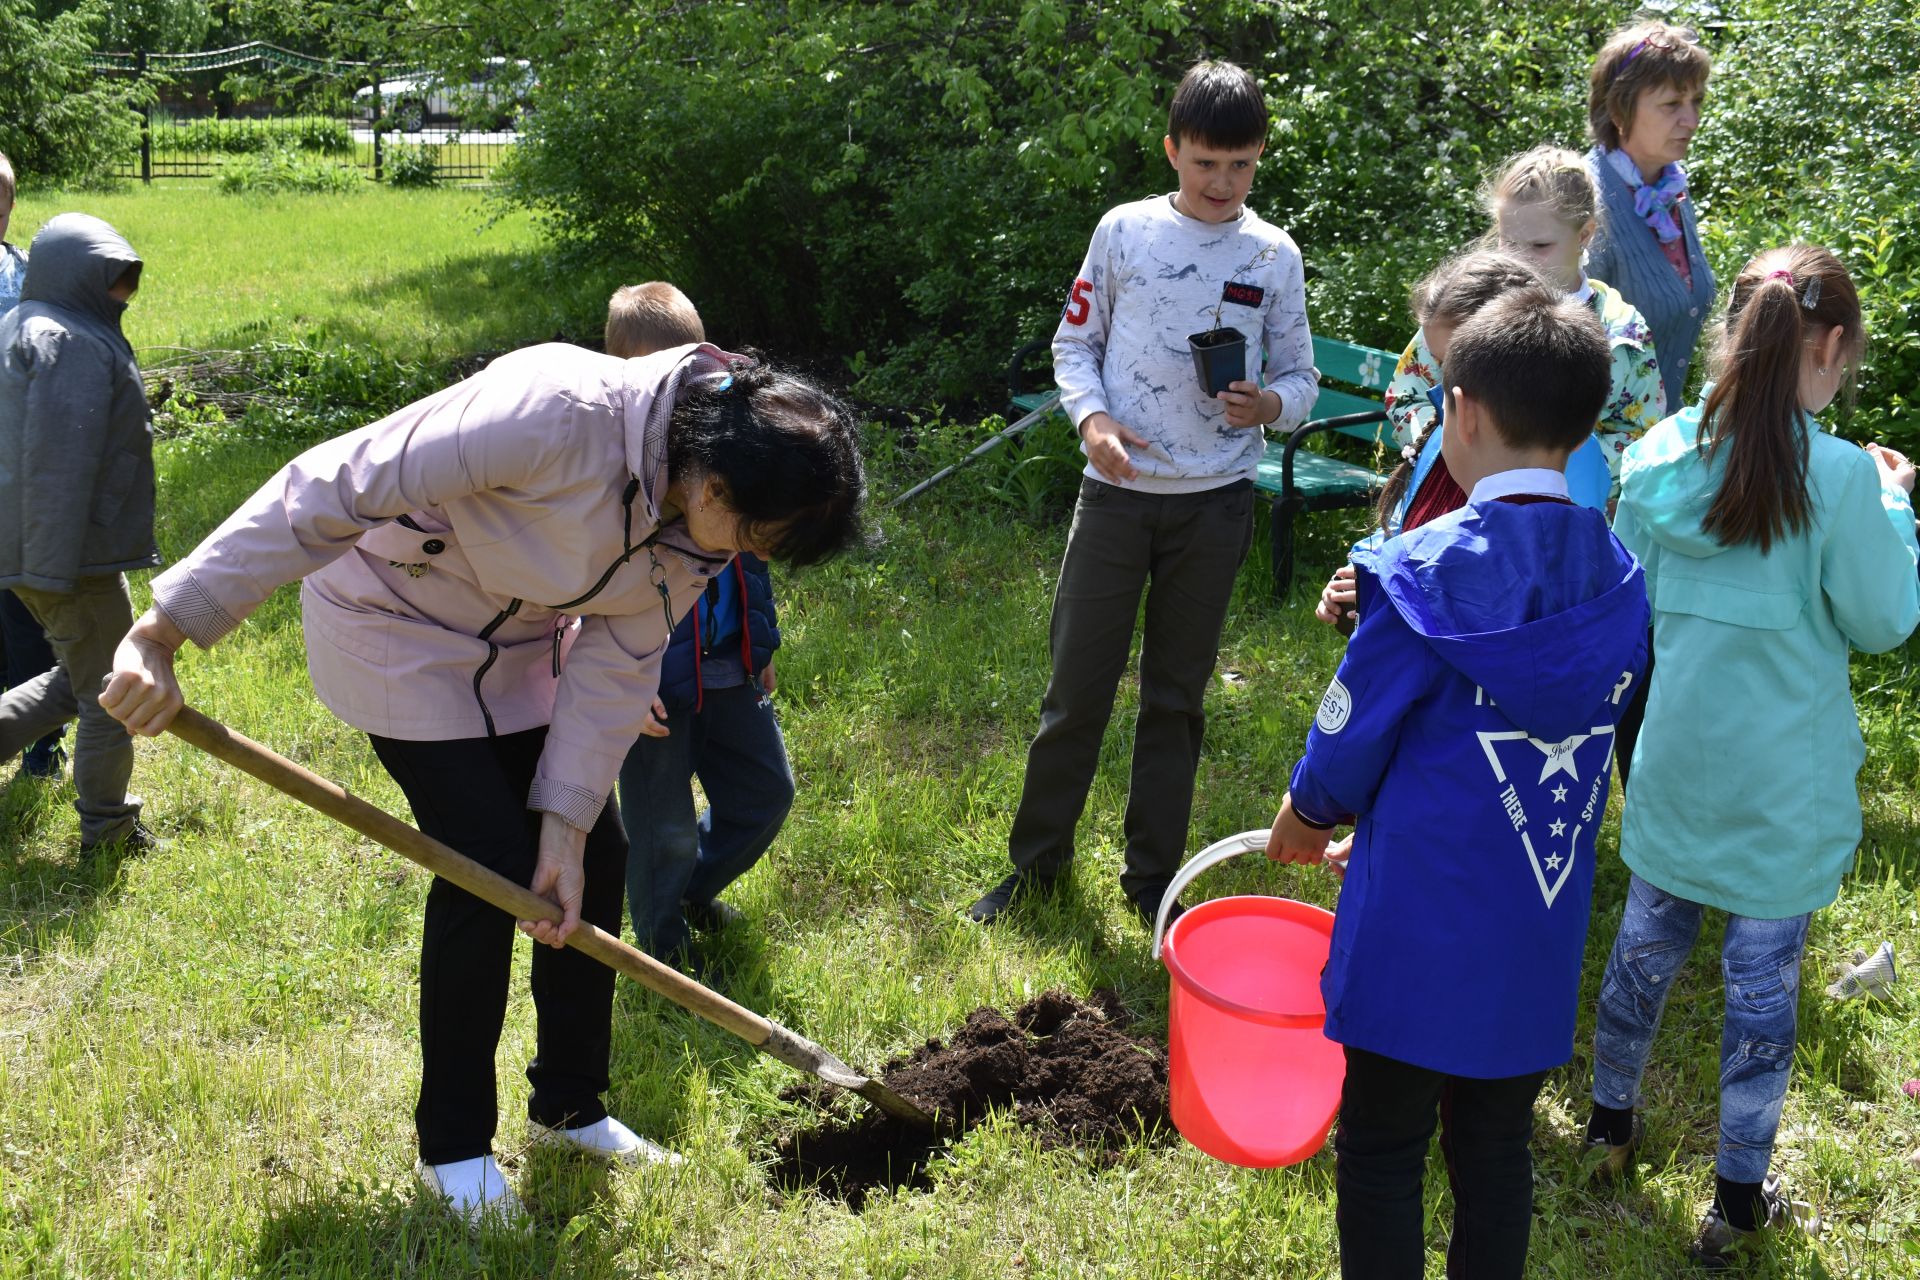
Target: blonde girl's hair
{"points": [[1550, 176], [1783, 299], [1646, 55]]}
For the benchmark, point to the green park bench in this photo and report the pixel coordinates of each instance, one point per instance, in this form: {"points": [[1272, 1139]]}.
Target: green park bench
{"points": [[1296, 479]]}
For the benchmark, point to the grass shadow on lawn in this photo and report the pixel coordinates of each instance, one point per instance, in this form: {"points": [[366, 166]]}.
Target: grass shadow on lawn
{"points": [[48, 891], [398, 1230], [528, 297]]}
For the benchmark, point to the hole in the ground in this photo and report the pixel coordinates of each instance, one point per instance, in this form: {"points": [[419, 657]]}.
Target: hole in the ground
{"points": [[1066, 1068]]}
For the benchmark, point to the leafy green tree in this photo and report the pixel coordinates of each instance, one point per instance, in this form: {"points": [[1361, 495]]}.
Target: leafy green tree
{"points": [[59, 121], [165, 26]]}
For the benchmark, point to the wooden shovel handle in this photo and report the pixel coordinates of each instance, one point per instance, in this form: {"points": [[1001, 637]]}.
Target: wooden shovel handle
{"points": [[521, 903]]}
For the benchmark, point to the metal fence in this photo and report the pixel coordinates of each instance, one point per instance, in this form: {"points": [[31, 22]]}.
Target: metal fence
{"points": [[257, 103]]}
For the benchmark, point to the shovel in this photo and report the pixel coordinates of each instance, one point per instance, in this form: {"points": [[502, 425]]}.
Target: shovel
{"points": [[521, 903]]}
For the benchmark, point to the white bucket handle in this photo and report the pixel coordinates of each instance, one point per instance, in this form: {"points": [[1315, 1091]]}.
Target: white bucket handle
{"points": [[1214, 854]]}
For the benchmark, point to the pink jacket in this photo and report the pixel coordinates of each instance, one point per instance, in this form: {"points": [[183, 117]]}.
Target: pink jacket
{"points": [[447, 548]]}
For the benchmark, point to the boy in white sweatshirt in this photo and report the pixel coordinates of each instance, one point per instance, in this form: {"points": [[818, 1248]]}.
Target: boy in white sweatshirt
{"points": [[1166, 504]]}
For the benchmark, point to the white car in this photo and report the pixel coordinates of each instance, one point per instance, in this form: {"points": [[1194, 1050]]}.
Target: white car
{"points": [[408, 102]]}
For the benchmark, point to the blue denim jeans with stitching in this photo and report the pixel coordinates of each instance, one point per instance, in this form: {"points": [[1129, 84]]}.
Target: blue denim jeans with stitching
{"points": [[733, 745], [1760, 961]]}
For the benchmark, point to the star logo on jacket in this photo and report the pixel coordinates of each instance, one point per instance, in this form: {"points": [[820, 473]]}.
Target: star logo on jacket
{"points": [[1580, 757]]}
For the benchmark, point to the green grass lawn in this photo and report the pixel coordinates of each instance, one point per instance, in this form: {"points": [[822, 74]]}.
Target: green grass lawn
{"points": [[208, 1057], [427, 274]]}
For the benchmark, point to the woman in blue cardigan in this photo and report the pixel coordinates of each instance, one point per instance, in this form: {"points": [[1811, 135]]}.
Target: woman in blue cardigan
{"points": [[1643, 107]]}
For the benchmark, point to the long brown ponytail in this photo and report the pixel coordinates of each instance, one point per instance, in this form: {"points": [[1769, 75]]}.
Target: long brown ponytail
{"points": [[1783, 299], [1450, 294]]}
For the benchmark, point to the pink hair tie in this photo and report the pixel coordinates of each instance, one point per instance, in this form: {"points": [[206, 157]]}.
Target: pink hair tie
{"points": [[1810, 296]]}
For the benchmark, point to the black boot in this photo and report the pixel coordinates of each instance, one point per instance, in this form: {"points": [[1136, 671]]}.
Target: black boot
{"points": [[1009, 891]]}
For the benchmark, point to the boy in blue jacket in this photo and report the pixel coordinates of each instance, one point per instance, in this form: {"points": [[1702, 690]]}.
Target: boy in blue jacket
{"points": [[713, 716], [1468, 735]]}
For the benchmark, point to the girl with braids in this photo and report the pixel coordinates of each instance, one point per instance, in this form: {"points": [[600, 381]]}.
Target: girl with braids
{"points": [[491, 577], [1771, 548]]}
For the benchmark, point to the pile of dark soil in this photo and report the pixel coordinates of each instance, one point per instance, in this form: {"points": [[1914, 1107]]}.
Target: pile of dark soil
{"points": [[1066, 1068]]}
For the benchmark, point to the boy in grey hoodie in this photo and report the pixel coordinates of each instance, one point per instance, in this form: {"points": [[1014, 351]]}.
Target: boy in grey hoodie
{"points": [[76, 501]]}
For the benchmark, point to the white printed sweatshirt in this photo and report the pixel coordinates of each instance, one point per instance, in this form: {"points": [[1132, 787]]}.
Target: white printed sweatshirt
{"points": [[1152, 276]]}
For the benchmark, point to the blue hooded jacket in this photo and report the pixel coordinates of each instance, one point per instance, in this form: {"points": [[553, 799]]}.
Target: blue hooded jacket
{"points": [[1470, 728], [680, 671]]}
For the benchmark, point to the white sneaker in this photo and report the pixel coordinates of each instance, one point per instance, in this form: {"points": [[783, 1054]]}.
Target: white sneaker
{"points": [[605, 1139], [474, 1189]]}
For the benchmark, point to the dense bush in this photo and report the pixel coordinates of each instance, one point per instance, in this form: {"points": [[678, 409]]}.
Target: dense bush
{"points": [[904, 190], [413, 166], [284, 169], [317, 134], [1812, 135], [59, 122]]}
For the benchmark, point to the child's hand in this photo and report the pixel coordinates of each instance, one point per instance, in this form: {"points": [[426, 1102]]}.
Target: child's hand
{"points": [[655, 725], [1293, 840], [1335, 858], [1894, 465], [1107, 445], [1247, 405], [767, 681], [1339, 601]]}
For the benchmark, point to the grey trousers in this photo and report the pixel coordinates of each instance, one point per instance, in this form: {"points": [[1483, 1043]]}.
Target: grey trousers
{"points": [[1184, 550], [84, 629]]}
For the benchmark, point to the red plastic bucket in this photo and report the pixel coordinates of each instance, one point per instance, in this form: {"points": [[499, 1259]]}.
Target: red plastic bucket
{"points": [[1253, 1078]]}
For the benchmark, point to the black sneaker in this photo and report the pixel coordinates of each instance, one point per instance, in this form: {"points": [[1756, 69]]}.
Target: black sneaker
{"points": [[1019, 885], [1616, 1158], [1146, 903], [1718, 1244], [712, 917], [136, 841]]}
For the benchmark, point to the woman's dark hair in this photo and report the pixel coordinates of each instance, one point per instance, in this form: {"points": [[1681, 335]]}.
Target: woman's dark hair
{"points": [[1450, 294], [1782, 300], [1218, 105], [787, 453]]}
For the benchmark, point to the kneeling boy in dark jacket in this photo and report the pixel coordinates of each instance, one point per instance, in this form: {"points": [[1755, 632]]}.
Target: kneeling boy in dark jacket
{"points": [[1468, 734]]}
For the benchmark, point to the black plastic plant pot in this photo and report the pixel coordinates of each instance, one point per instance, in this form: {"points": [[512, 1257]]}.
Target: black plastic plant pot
{"points": [[1219, 358]]}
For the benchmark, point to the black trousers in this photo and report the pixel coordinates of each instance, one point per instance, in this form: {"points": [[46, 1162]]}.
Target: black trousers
{"points": [[471, 794], [1627, 732], [1387, 1110], [1183, 550]]}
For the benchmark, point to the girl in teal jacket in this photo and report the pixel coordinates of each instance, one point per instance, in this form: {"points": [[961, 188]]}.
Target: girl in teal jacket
{"points": [[1771, 549]]}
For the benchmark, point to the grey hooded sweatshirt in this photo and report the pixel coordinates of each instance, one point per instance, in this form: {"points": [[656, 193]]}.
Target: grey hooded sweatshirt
{"points": [[76, 437]]}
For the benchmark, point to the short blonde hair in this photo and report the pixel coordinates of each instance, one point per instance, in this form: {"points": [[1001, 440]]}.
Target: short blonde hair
{"points": [[650, 317], [6, 178], [1552, 176], [1637, 58]]}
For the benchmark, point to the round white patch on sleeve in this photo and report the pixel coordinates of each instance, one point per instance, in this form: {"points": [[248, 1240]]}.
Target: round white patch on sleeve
{"points": [[1336, 704]]}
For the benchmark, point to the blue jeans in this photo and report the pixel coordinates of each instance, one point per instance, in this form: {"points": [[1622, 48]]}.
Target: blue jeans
{"points": [[1760, 960], [733, 744]]}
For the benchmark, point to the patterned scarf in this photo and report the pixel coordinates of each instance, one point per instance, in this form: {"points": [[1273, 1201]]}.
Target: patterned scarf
{"points": [[1653, 201]]}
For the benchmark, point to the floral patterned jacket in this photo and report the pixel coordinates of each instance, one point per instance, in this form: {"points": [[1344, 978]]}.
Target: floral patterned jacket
{"points": [[1637, 401]]}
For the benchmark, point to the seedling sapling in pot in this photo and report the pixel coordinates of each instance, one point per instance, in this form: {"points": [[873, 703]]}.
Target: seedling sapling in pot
{"points": [[1220, 353]]}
